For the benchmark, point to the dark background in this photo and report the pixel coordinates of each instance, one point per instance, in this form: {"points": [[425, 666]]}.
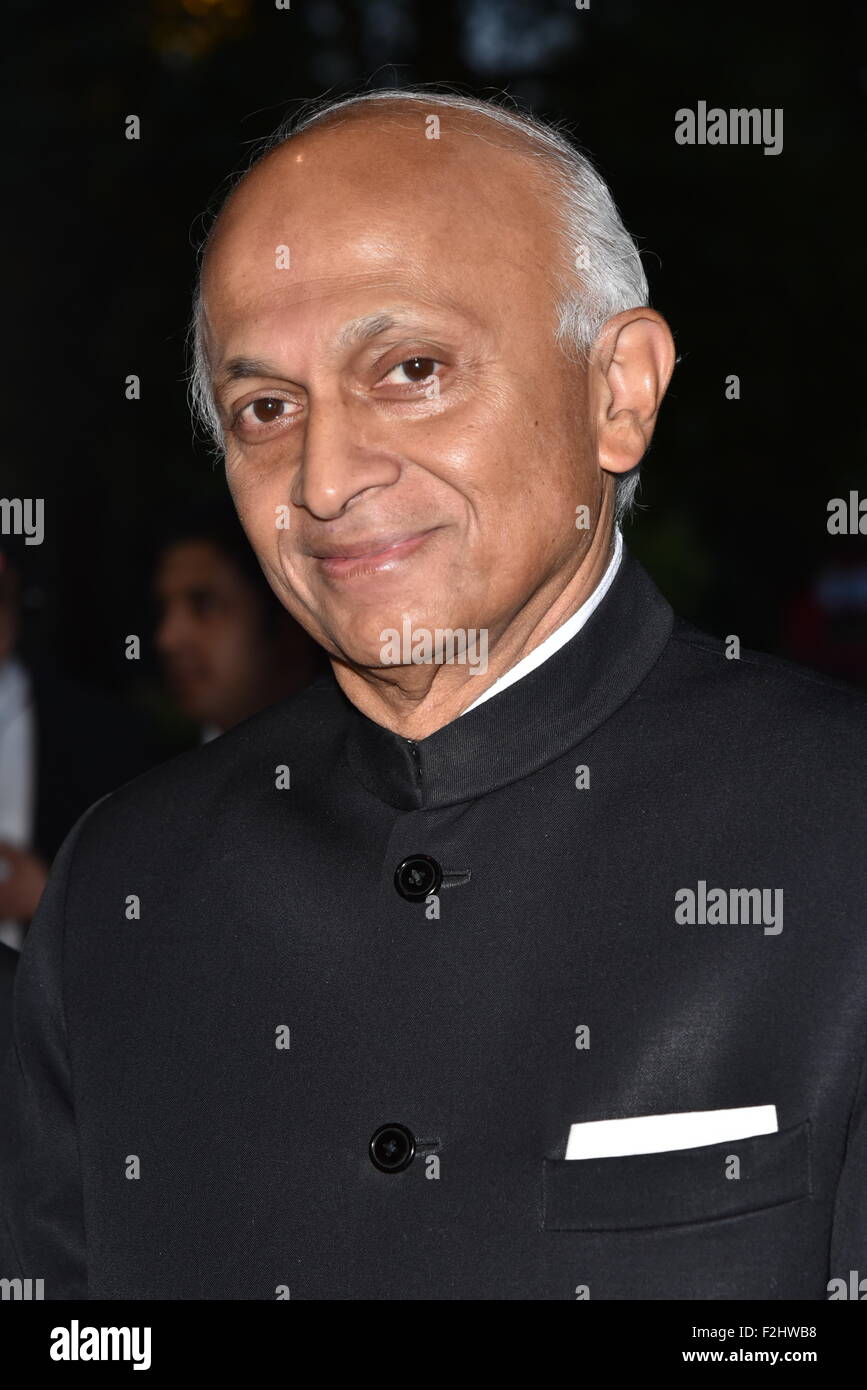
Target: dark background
{"points": [[755, 260]]}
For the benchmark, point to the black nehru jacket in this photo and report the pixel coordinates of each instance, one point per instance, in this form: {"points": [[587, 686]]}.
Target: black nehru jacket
{"points": [[8, 962], [190, 1106]]}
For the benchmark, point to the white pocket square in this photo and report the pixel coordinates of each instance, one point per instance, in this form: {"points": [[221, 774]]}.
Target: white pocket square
{"points": [[651, 1134]]}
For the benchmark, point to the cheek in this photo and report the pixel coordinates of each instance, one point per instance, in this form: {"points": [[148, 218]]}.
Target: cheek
{"points": [[256, 501], [551, 471], [527, 519], [521, 486]]}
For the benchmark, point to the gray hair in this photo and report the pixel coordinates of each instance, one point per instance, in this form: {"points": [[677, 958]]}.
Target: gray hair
{"points": [[601, 274]]}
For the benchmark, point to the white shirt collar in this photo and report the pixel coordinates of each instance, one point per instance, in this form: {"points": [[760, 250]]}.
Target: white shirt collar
{"points": [[560, 636], [14, 690]]}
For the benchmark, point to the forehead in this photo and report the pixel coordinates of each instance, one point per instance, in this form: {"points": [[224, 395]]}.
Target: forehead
{"points": [[374, 204]]}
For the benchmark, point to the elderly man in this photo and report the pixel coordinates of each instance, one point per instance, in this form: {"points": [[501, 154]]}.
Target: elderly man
{"points": [[523, 957]]}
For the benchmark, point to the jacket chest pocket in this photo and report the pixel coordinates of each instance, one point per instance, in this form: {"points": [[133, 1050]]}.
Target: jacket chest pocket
{"points": [[678, 1187]]}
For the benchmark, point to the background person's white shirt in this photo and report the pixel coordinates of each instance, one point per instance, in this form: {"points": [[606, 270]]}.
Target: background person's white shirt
{"points": [[560, 636], [17, 772]]}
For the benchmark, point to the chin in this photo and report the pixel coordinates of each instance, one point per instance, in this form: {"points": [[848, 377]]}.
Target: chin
{"points": [[394, 636]]}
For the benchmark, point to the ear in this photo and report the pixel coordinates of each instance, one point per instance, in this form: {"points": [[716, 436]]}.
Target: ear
{"points": [[630, 367]]}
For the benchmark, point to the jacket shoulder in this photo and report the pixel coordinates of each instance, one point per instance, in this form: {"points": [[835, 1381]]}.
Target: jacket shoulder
{"points": [[302, 730], [758, 689]]}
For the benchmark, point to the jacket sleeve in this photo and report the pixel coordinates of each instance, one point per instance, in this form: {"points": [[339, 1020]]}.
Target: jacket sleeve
{"points": [[41, 1210]]}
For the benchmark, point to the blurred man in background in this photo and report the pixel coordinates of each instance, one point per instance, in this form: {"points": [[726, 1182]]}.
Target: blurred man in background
{"points": [[228, 647]]}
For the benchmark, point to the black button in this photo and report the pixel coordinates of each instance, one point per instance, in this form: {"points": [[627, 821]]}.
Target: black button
{"points": [[392, 1148], [417, 877]]}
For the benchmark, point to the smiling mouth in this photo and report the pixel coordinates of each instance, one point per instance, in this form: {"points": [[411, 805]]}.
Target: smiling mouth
{"points": [[376, 560]]}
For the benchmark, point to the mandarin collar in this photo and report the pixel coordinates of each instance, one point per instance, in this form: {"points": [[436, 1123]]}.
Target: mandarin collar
{"points": [[529, 724]]}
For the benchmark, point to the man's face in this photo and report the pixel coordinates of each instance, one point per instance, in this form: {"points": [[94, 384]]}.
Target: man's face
{"points": [[209, 633], [391, 379]]}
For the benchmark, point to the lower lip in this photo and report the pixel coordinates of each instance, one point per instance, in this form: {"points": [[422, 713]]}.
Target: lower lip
{"points": [[338, 567]]}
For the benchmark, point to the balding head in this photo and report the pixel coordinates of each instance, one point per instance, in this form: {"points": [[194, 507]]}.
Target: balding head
{"points": [[382, 321], [598, 271], [345, 190]]}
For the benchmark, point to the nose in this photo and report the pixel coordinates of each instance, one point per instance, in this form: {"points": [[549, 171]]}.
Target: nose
{"points": [[344, 454], [172, 630]]}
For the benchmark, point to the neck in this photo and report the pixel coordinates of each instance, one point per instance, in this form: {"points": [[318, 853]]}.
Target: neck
{"points": [[415, 701]]}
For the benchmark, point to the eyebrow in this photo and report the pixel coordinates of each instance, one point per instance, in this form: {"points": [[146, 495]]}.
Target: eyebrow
{"points": [[358, 331], [239, 368], [370, 326]]}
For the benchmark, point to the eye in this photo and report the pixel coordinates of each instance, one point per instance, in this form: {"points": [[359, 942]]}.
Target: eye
{"points": [[203, 604], [265, 409], [415, 370]]}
